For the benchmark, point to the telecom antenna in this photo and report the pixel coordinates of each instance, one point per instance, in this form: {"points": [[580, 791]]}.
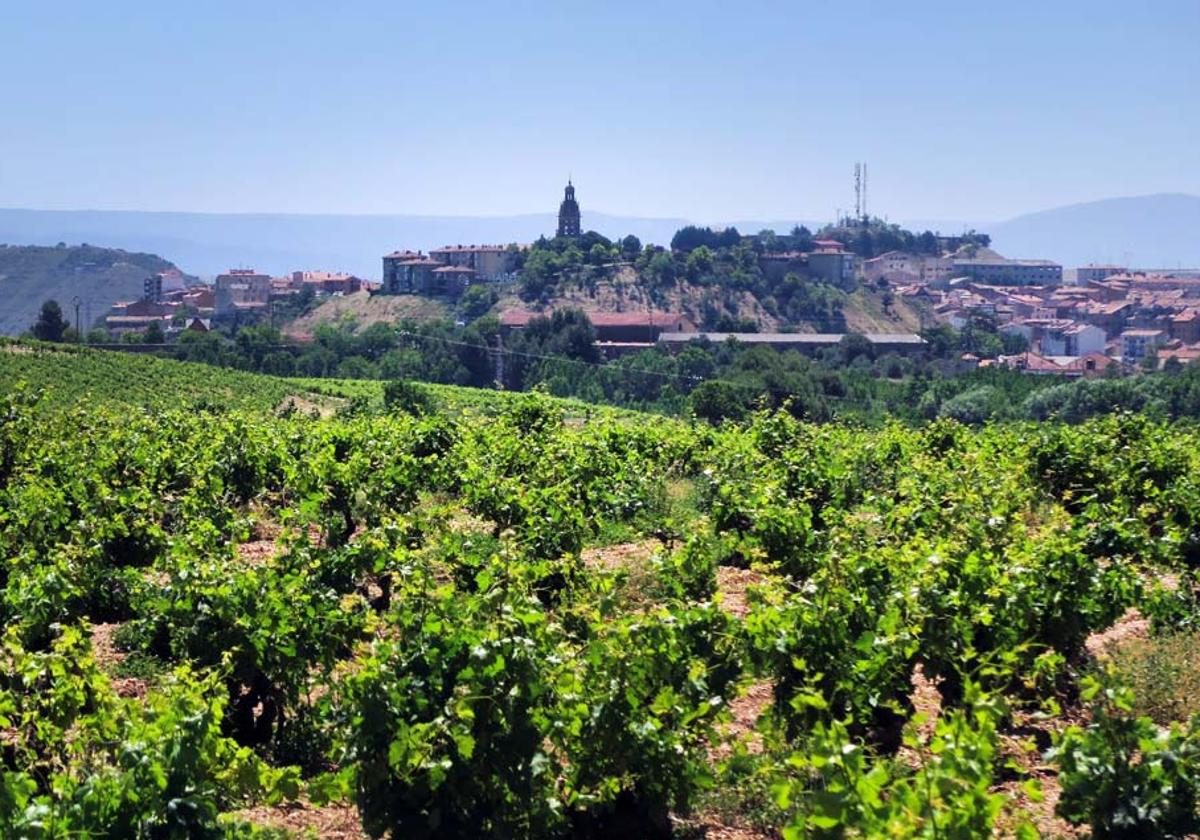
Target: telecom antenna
{"points": [[858, 191]]}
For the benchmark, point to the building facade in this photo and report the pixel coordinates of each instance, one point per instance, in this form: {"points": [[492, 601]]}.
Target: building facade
{"points": [[1002, 272], [489, 262], [833, 266], [1136, 344], [241, 290], [1088, 273]]}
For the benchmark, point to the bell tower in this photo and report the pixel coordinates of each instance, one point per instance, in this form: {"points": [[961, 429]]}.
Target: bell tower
{"points": [[568, 213]]}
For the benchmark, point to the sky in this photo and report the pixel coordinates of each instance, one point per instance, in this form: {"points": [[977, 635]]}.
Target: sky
{"points": [[705, 110]]}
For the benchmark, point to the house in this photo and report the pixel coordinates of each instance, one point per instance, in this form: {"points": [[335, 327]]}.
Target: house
{"points": [[1187, 354], [1058, 337], [829, 262], [404, 274], [326, 282], [489, 262], [1185, 326], [1136, 344], [1031, 363], [1088, 365], [1005, 272], [241, 291], [449, 280], [899, 267], [1109, 316], [1088, 273]]}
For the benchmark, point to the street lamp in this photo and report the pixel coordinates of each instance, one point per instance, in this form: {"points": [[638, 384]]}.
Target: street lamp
{"points": [[78, 331]]}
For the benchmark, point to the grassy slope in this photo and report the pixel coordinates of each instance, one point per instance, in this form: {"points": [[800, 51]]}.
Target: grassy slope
{"points": [[864, 313], [99, 276], [363, 310], [71, 376]]}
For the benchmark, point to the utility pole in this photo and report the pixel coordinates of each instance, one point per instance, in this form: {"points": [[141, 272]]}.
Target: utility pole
{"points": [[498, 361], [78, 331]]}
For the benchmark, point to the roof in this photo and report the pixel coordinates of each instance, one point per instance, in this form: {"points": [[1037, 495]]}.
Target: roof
{"points": [[1032, 362], [460, 249], [454, 269], [790, 338], [399, 255], [1002, 261], [134, 320], [323, 276], [1143, 333], [665, 320]]}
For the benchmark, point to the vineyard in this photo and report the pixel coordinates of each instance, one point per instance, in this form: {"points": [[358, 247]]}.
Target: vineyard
{"points": [[502, 616]]}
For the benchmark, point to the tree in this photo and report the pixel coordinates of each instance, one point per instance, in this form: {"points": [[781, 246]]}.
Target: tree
{"points": [[717, 401], [631, 246], [50, 324], [476, 301], [154, 334]]}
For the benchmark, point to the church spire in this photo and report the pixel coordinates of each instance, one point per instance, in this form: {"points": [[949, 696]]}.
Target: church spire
{"points": [[568, 213]]}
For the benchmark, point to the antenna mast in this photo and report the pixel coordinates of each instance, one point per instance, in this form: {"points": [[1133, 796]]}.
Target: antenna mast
{"points": [[858, 191]]}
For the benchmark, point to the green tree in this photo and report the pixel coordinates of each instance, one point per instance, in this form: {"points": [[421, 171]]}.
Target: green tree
{"points": [[631, 246], [717, 401], [50, 324]]}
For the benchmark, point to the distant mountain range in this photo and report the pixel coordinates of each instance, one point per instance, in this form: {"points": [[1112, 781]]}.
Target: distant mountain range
{"points": [[1150, 231], [1154, 231]]}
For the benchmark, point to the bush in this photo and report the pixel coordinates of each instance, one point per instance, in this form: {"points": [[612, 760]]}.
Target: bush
{"points": [[407, 397], [1124, 776]]}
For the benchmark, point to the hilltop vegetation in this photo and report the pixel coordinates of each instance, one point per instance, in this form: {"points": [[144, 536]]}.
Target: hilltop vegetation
{"points": [[31, 274], [507, 624]]}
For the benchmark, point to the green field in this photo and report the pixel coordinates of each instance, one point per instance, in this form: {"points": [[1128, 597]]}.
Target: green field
{"points": [[510, 616], [70, 376]]}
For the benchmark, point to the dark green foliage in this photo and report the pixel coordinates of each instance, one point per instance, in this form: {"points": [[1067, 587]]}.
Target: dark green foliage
{"points": [[1124, 776], [50, 324]]}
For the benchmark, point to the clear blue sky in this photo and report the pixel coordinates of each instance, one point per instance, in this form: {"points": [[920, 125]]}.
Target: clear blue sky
{"points": [[708, 110]]}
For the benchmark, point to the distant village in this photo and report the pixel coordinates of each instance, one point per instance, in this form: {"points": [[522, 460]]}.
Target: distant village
{"points": [[1085, 324]]}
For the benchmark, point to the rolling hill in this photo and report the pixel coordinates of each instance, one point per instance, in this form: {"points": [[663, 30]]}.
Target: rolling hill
{"points": [[98, 276]]}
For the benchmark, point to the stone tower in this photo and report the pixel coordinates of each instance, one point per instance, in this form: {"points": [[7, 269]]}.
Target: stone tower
{"points": [[568, 214]]}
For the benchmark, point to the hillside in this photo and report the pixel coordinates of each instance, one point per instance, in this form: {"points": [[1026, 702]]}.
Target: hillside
{"points": [[98, 276], [360, 310], [863, 310]]}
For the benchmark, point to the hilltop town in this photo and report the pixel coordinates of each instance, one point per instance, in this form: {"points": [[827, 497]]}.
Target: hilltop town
{"points": [[792, 291]]}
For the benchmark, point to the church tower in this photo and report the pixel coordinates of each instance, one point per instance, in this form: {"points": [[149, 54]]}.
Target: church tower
{"points": [[568, 214]]}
